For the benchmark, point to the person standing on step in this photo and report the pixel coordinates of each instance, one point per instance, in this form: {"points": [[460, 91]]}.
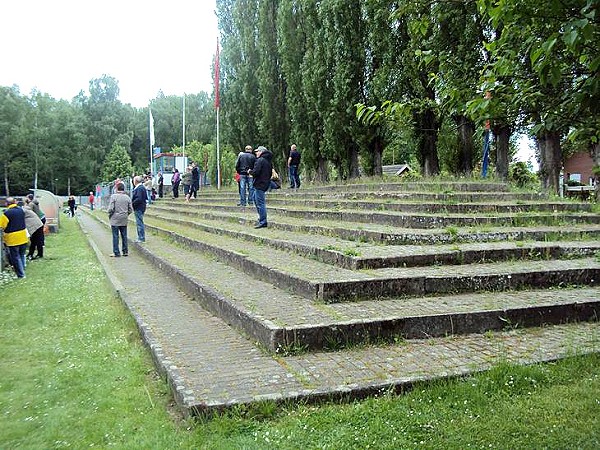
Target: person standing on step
{"points": [[186, 180], [243, 165], [12, 221], [195, 180], [263, 168], [138, 202], [175, 180], [293, 165], [119, 208], [161, 182]]}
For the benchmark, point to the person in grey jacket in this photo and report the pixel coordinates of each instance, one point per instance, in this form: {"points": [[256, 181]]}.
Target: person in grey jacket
{"points": [[35, 228], [119, 208]]}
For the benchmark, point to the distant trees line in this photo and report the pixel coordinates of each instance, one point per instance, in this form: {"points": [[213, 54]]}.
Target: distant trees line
{"points": [[355, 83], [94, 137]]}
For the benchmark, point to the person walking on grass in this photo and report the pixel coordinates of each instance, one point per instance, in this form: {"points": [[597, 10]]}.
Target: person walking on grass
{"points": [[263, 169], [138, 202], [35, 229], [72, 205], [12, 221], [119, 208]]}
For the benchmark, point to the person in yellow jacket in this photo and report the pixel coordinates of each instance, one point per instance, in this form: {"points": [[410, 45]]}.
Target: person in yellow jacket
{"points": [[12, 221]]}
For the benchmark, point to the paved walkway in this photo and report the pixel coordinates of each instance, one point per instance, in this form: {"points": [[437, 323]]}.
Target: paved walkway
{"points": [[211, 366]]}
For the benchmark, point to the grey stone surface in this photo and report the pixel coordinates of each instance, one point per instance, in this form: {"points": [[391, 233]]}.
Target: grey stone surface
{"points": [[211, 366]]}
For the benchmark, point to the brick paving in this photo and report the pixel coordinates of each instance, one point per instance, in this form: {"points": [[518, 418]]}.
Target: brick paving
{"points": [[211, 366]]}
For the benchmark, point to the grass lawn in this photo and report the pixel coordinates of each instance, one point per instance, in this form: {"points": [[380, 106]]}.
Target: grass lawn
{"points": [[74, 374]]}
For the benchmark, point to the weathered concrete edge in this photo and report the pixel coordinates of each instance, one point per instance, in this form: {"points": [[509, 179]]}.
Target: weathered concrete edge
{"points": [[184, 396], [359, 391], [442, 237], [345, 333], [264, 331], [191, 407]]}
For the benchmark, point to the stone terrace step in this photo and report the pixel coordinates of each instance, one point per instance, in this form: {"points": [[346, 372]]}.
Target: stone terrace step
{"points": [[316, 280], [210, 367], [385, 234], [280, 320], [450, 197], [410, 186], [420, 220], [415, 205], [354, 256]]}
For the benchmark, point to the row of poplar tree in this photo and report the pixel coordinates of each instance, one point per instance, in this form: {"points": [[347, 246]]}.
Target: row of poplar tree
{"points": [[421, 76]]}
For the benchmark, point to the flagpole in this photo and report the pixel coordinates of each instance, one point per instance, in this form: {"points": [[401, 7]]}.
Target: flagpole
{"points": [[217, 106], [218, 154], [151, 133], [183, 130]]}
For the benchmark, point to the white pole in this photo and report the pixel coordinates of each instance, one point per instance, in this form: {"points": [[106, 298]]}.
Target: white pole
{"points": [[151, 133], [218, 154], [183, 131]]}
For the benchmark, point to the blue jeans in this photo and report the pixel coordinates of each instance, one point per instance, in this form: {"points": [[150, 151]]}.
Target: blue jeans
{"points": [[115, 235], [246, 184], [139, 223], [261, 206], [16, 255], [294, 177]]}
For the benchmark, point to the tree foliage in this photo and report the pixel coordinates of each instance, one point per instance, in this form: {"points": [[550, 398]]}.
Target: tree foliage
{"points": [[354, 83]]}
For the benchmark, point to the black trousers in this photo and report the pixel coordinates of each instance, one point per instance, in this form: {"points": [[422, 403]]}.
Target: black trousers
{"points": [[37, 243]]}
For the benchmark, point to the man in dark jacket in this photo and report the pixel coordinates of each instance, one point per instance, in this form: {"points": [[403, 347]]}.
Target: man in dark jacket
{"points": [[138, 201], [262, 180], [244, 163]]}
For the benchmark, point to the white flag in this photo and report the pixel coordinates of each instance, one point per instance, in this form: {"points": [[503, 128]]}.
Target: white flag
{"points": [[151, 129]]}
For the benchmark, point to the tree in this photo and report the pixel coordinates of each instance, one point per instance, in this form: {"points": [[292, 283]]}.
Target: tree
{"points": [[117, 163], [550, 51], [273, 119]]}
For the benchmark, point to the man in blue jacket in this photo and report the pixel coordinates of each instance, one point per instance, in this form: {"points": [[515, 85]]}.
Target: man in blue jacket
{"points": [[263, 168], [12, 221], [138, 201]]}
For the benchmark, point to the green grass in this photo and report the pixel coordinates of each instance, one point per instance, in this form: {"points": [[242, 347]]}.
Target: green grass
{"points": [[74, 374]]}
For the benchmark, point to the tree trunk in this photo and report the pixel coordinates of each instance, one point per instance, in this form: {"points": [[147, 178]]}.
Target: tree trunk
{"points": [[466, 130], [353, 169], [427, 135], [322, 172], [502, 133], [6, 190], [377, 156], [596, 159], [550, 154]]}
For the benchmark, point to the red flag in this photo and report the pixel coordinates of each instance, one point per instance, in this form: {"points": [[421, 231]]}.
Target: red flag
{"points": [[217, 99]]}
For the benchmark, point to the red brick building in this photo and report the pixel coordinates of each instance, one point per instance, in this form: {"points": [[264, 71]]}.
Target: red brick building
{"points": [[579, 167]]}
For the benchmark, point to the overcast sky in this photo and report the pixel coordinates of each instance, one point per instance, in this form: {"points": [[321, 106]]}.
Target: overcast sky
{"points": [[58, 46]]}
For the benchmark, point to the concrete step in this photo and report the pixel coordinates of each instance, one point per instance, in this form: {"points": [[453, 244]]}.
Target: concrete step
{"points": [[414, 205], [418, 220], [211, 367], [411, 186], [384, 234], [320, 281], [377, 195], [355, 255], [281, 320]]}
